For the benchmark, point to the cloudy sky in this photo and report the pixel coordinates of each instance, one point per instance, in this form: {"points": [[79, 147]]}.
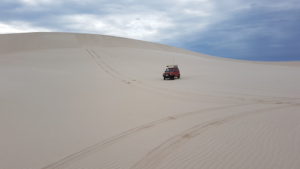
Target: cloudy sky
{"points": [[252, 30]]}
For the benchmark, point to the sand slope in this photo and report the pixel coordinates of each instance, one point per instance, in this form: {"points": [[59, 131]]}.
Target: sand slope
{"points": [[74, 101]]}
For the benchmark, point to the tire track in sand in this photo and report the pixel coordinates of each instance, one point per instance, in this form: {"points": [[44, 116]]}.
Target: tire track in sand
{"points": [[157, 155], [106, 68], [99, 146], [116, 74]]}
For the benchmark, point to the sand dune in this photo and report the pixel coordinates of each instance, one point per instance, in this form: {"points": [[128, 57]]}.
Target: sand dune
{"points": [[74, 101]]}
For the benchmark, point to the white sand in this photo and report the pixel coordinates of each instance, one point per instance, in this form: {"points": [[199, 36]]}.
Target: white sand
{"points": [[77, 101]]}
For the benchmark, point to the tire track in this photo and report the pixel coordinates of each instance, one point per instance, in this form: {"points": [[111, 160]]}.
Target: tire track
{"points": [[186, 158], [107, 69], [115, 74], [124, 79], [106, 64], [157, 155], [99, 146]]}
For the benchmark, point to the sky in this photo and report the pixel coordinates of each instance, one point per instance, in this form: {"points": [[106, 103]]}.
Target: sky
{"points": [[264, 30]]}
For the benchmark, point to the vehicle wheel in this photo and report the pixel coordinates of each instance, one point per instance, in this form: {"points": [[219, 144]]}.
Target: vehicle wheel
{"points": [[178, 76], [164, 78]]}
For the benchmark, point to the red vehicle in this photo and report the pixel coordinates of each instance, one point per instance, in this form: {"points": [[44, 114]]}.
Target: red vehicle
{"points": [[171, 72]]}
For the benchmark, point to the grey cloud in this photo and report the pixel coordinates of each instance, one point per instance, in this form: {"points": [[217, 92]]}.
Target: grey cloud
{"points": [[229, 28], [254, 34]]}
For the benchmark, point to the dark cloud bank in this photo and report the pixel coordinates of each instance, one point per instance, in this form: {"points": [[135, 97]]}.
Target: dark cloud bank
{"points": [[255, 34]]}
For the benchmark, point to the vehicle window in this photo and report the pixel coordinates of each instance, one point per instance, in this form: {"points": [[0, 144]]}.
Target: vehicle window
{"points": [[172, 70]]}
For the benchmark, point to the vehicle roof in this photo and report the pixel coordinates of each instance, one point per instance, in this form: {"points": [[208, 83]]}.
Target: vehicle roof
{"points": [[172, 66]]}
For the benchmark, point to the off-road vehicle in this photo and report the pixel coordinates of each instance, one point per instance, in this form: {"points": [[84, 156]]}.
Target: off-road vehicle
{"points": [[171, 72]]}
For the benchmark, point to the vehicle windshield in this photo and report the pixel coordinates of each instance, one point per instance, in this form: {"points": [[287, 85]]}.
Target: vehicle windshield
{"points": [[170, 70]]}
